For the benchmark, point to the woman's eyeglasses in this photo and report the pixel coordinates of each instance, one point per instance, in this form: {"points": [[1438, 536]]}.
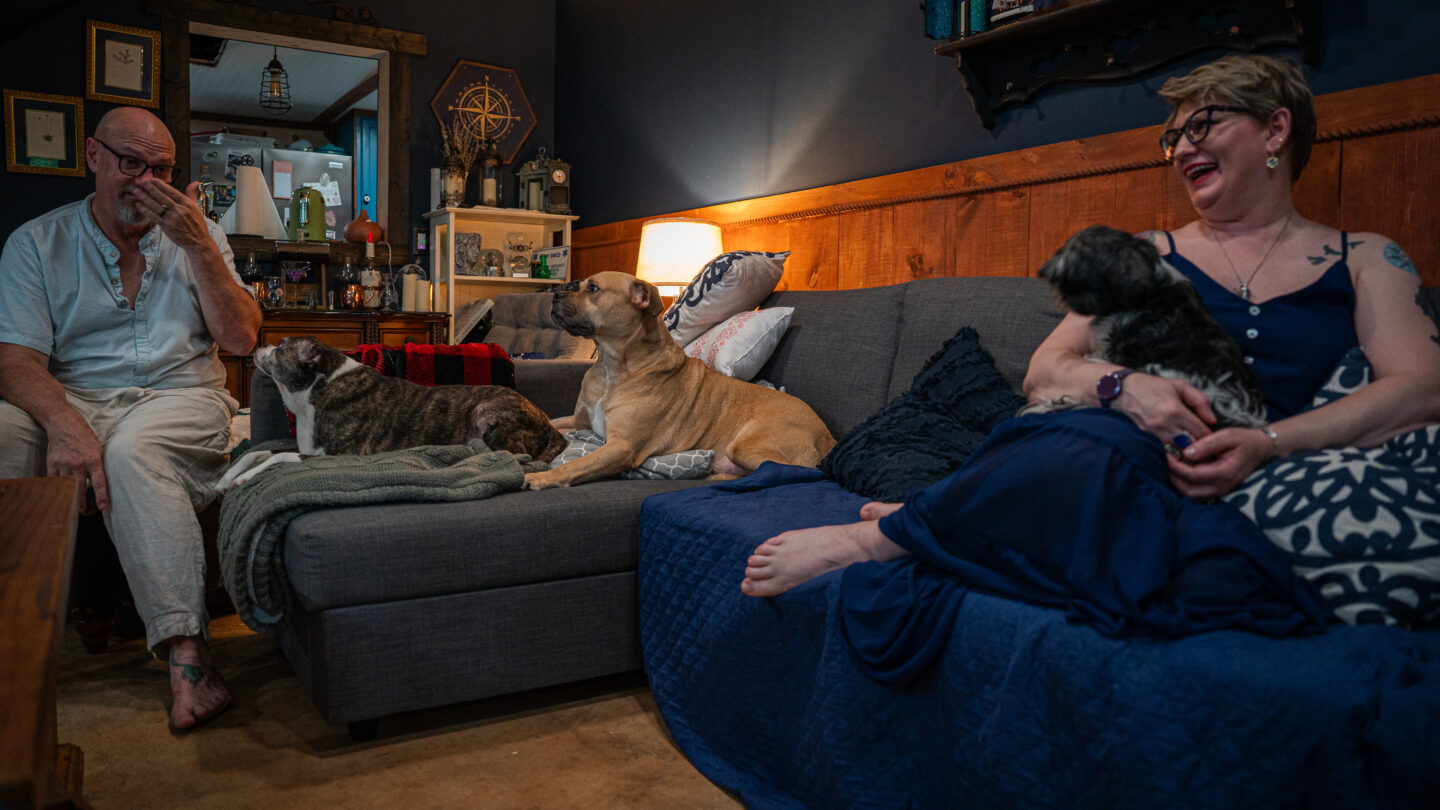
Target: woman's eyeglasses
{"points": [[1196, 127], [135, 167]]}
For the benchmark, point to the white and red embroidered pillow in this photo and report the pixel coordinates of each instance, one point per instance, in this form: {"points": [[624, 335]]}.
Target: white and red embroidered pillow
{"points": [[740, 345]]}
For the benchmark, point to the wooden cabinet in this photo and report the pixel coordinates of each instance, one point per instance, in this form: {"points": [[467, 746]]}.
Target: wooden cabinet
{"points": [[454, 290], [343, 330]]}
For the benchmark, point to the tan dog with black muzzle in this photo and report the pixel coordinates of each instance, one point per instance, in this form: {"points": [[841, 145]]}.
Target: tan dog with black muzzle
{"points": [[646, 398]]}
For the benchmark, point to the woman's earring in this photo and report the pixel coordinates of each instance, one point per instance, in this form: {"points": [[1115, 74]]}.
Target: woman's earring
{"points": [[1272, 162]]}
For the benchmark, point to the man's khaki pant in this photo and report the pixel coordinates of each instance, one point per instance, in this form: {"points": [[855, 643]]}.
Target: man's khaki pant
{"points": [[163, 452]]}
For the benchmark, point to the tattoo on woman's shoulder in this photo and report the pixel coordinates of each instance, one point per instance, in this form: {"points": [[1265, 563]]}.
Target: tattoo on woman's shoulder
{"points": [[1327, 252], [1397, 256]]}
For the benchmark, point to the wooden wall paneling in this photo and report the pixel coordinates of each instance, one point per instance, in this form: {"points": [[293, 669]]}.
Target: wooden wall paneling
{"points": [[1317, 193], [1389, 188], [1150, 199], [924, 238], [813, 262], [865, 249], [992, 234], [600, 248], [618, 256], [770, 236], [1058, 210]]}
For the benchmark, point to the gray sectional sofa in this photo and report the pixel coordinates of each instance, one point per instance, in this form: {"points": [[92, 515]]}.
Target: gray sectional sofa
{"points": [[406, 606]]}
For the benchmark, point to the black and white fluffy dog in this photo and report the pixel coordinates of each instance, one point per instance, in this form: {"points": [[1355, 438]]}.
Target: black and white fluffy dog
{"points": [[1149, 317]]}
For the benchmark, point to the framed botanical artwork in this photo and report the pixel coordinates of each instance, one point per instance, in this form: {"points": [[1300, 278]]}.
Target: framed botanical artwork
{"points": [[122, 64], [44, 134]]}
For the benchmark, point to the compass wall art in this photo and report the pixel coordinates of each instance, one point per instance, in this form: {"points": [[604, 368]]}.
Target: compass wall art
{"points": [[489, 102]]}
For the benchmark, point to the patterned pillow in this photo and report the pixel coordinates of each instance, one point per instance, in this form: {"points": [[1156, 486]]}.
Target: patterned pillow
{"points": [[1362, 524], [730, 283], [738, 347], [674, 466], [927, 432]]}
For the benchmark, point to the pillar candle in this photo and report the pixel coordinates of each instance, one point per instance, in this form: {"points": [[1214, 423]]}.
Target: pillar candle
{"points": [[407, 293], [422, 295]]}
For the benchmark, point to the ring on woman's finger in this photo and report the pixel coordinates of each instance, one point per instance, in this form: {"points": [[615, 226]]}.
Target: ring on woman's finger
{"points": [[1182, 440], [1173, 450]]}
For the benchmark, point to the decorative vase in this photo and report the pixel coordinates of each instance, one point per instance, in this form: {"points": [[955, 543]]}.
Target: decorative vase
{"points": [[361, 226], [452, 182]]}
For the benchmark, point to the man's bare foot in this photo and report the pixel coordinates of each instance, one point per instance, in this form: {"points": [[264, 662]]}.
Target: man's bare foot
{"points": [[796, 557], [200, 694]]}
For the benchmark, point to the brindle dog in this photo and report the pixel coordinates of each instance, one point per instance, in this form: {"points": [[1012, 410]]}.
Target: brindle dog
{"points": [[345, 407]]}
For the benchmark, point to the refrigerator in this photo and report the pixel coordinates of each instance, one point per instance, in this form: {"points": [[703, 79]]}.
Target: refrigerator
{"points": [[334, 175], [213, 158]]}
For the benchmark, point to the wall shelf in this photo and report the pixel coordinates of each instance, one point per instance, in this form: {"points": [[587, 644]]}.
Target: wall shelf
{"points": [[1115, 40]]}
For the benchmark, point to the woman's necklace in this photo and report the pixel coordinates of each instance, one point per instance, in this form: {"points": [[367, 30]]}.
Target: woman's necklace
{"points": [[1244, 289]]}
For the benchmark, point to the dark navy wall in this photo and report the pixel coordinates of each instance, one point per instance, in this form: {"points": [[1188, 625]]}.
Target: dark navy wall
{"points": [[664, 105], [49, 57]]}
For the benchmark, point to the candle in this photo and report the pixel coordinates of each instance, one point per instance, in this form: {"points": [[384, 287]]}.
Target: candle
{"points": [[407, 293], [488, 191], [536, 202]]}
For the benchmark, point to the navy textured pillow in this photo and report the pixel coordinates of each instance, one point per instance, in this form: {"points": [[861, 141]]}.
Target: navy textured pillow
{"points": [[927, 432]]}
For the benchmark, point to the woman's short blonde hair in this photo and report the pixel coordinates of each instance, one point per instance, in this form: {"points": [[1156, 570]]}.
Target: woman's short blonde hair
{"points": [[1260, 84]]}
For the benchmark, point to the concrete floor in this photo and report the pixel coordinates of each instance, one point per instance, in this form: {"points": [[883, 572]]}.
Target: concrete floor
{"points": [[599, 744]]}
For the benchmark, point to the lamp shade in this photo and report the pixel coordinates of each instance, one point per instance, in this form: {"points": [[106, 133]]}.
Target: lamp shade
{"points": [[673, 250]]}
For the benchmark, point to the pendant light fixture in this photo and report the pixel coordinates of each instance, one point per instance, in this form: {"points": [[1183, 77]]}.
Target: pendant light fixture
{"points": [[275, 87]]}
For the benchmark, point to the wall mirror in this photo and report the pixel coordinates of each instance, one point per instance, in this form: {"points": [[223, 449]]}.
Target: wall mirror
{"points": [[307, 39]]}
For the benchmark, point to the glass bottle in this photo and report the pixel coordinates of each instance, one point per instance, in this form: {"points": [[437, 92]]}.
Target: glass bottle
{"points": [[369, 275]]}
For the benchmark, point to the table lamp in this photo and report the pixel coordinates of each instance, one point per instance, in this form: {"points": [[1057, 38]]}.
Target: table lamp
{"points": [[673, 250]]}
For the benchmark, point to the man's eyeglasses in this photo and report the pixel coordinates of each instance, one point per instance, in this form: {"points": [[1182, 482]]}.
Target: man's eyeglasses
{"points": [[1196, 127], [135, 167]]}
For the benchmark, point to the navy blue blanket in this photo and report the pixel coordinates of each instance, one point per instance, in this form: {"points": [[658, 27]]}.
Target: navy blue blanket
{"points": [[1022, 708]]}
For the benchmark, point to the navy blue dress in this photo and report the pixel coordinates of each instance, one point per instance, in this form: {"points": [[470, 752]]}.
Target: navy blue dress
{"points": [[1074, 510]]}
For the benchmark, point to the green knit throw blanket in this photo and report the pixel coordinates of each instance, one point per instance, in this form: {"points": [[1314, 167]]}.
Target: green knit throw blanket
{"points": [[254, 517]]}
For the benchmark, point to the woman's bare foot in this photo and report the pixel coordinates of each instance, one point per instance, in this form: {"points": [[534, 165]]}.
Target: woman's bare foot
{"points": [[200, 694], [796, 557], [875, 510]]}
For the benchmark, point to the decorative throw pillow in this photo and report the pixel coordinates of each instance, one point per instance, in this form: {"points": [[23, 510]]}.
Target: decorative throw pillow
{"points": [[730, 283], [928, 431], [739, 346], [1362, 524], [675, 466]]}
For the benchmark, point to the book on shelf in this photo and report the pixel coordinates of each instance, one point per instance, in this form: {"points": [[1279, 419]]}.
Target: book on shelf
{"points": [[1004, 11]]}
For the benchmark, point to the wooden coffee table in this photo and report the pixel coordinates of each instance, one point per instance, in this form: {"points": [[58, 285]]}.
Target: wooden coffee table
{"points": [[37, 541]]}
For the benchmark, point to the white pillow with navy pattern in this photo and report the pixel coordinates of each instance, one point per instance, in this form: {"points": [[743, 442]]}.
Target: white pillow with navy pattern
{"points": [[729, 284], [1362, 524], [674, 466]]}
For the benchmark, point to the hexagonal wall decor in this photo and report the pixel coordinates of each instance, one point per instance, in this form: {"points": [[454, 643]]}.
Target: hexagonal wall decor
{"points": [[488, 101]]}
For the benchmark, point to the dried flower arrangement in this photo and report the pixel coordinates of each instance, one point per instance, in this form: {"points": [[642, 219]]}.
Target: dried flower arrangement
{"points": [[459, 144]]}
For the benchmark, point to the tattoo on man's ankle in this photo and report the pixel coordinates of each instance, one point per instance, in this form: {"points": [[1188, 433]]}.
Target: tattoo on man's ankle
{"points": [[189, 672]]}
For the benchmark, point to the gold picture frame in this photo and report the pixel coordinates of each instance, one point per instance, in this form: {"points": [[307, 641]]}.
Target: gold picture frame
{"points": [[44, 134], [122, 64]]}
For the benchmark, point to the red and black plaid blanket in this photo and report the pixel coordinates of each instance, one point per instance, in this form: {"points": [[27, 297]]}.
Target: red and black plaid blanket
{"points": [[429, 364]]}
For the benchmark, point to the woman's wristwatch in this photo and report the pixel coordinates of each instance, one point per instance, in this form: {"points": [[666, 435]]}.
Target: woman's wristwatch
{"points": [[1109, 387]]}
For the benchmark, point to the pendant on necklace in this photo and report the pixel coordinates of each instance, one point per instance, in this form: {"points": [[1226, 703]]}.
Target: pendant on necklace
{"points": [[1244, 292]]}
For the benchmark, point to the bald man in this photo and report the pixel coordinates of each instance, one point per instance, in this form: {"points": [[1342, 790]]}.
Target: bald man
{"points": [[111, 312]]}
